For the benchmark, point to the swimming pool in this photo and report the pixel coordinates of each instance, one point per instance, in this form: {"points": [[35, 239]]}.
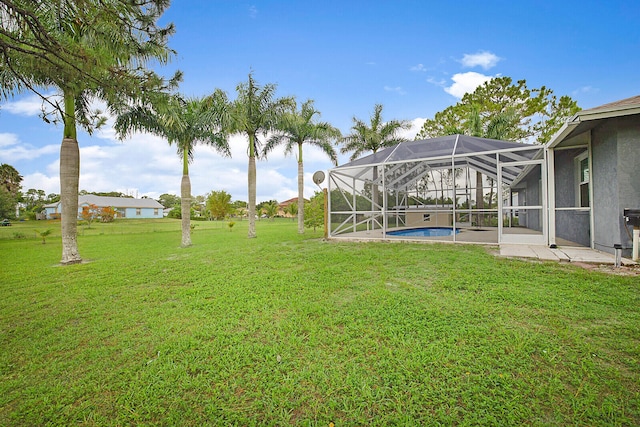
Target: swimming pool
{"points": [[424, 232]]}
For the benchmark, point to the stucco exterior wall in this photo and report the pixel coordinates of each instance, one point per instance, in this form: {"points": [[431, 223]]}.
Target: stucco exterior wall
{"points": [[616, 180], [435, 219], [570, 225], [628, 174], [529, 195]]}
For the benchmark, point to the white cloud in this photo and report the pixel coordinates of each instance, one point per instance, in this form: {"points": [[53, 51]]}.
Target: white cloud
{"points": [[482, 59], [253, 11], [466, 83], [40, 181], [418, 67], [438, 82], [8, 139], [145, 165], [13, 149], [584, 89], [416, 125], [396, 89], [30, 105]]}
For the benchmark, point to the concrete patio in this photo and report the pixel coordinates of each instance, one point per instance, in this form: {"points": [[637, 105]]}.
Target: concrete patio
{"points": [[562, 253]]}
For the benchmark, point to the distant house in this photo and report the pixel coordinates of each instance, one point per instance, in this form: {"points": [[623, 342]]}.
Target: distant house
{"points": [[125, 207], [282, 207]]}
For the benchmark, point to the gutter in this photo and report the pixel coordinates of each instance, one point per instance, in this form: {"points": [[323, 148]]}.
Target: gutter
{"points": [[588, 115]]}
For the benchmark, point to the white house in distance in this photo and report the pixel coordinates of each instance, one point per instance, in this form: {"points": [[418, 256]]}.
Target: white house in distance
{"points": [[125, 207]]}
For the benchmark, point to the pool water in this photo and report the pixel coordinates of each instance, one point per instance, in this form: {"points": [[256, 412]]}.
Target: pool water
{"points": [[425, 232]]}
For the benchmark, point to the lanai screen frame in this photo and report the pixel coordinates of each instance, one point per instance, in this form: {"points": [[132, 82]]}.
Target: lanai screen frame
{"points": [[506, 162]]}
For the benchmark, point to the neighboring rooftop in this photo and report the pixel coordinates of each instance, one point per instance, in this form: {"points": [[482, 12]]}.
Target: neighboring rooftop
{"points": [[117, 202]]}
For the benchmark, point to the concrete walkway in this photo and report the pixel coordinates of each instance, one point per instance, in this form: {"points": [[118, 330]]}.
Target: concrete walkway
{"points": [[566, 254]]}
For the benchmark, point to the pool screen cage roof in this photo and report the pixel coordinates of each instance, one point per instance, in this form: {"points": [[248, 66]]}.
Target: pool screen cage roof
{"points": [[399, 170]]}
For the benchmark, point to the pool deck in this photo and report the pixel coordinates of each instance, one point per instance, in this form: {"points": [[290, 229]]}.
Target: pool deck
{"points": [[562, 253], [565, 252]]}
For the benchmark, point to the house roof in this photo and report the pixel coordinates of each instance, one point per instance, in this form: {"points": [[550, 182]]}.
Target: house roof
{"points": [[115, 202], [288, 202], [586, 120]]}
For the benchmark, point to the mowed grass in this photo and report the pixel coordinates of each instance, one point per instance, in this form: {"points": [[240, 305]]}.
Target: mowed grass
{"points": [[290, 330]]}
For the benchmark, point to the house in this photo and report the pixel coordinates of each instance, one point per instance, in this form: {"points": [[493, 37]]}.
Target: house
{"points": [[282, 207], [125, 207], [594, 175], [581, 188]]}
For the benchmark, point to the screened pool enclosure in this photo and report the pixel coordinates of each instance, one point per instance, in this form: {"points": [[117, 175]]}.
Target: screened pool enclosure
{"points": [[480, 190]]}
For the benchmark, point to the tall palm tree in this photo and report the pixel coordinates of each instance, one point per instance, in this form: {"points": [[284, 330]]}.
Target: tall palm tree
{"points": [[87, 50], [297, 128], [185, 123], [255, 111], [372, 137]]}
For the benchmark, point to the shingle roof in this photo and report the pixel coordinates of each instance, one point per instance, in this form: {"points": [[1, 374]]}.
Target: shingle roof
{"points": [[586, 120], [627, 102]]}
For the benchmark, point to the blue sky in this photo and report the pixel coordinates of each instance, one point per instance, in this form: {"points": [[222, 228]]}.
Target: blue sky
{"points": [[414, 57]]}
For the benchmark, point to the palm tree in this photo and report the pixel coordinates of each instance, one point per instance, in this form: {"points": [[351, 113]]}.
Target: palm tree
{"points": [[87, 50], [254, 112], [297, 128], [270, 210], [185, 123], [373, 137]]}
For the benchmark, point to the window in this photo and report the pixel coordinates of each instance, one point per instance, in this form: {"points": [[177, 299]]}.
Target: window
{"points": [[582, 163], [155, 211], [138, 211]]}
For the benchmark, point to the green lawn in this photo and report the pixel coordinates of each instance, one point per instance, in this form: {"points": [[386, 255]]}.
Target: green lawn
{"points": [[290, 330]]}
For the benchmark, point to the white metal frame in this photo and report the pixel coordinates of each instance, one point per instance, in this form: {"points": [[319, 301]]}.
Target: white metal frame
{"points": [[483, 162]]}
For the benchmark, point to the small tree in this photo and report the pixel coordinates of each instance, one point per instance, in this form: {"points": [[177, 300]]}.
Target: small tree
{"points": [[89, 213], [271, 209], [292, 210], [169, 200], [107, 214], [314, 211], [43, 235], [219, 204]]}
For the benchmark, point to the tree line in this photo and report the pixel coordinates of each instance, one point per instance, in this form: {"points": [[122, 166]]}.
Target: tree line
{"points": [[94, 50]]}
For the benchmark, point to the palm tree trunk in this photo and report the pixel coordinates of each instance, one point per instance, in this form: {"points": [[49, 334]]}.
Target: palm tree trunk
{"points": [[300, 192], [252, 190], [69, 177], [185, 203], [69, 182]]}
